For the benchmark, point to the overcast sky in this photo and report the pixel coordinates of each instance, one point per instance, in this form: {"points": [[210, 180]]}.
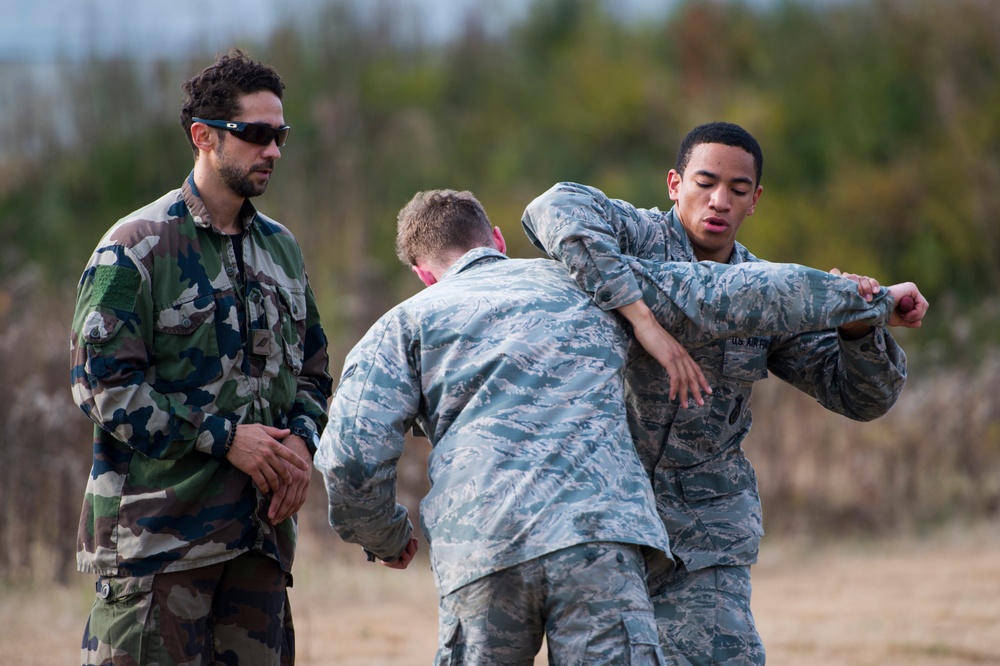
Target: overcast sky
{"points": [[33, 31]]}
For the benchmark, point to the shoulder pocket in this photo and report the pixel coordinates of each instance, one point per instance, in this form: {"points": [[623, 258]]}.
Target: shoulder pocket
{"points": [[100, 328]]}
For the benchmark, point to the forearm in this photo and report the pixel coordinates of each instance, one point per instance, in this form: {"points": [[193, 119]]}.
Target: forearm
{"points": [[706, 300], [384, 534], [314, 385], [860, 379], [359, 469], [110, 375], [151, 423]]}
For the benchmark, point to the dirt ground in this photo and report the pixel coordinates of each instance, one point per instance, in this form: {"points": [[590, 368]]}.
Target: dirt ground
{"points": [[911, 602]]}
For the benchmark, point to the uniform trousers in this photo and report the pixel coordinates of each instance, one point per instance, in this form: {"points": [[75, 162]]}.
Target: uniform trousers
{"points": [[589, 602], [234, 612]]}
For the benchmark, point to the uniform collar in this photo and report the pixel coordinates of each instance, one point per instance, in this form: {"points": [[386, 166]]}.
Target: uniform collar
{"points": [[472, 257], [678, 234], [199, 212]]}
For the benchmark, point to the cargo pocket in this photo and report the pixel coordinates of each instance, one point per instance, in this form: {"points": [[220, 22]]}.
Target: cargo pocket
{"points": [[292, 310], [98, 330], [643, 641], [722, 494], [120, 619], [450, 649]]}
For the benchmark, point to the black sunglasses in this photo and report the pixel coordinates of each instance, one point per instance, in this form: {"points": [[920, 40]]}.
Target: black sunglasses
{"points": [[258, 133]]}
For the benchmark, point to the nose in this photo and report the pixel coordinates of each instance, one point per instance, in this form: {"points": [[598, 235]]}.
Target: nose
{"points": [[271, 150], [720, 199]]}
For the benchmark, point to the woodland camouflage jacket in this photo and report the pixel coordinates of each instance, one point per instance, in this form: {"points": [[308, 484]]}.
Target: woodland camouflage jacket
{"points": [[159, 363]]}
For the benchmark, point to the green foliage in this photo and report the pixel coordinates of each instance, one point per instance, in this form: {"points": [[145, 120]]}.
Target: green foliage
{"points": [[880, 123]]}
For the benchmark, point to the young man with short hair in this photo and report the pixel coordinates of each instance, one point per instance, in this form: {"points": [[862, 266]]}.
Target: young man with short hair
{"points": [[706, 488]]}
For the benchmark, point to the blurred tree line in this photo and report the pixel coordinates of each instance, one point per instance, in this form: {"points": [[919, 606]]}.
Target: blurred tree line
{"points": [[880, 123]]}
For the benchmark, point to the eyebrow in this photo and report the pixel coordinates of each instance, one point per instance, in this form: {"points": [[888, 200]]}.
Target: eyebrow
{"points": [[715, 176]]}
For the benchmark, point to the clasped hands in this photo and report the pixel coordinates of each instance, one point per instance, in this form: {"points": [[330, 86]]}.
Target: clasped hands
{"points": [[279, 464]]}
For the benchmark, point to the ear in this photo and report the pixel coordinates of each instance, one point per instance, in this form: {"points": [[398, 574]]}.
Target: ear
{"points": [[203, 137], [756, 198], [498, 240], [674, 180], [425, 275]]}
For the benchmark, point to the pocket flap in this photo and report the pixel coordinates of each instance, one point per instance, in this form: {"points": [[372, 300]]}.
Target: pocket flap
{"points": [[640, 627], [99, 327], [746, 359], [184, 318], [717, 478], [295, 302]]}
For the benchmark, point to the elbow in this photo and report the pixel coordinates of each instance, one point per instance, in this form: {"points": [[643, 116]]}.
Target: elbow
{"points": [[875, 407]]}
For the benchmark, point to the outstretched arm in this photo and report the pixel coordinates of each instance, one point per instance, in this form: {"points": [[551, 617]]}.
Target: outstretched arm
{"points": [[593, 235]]}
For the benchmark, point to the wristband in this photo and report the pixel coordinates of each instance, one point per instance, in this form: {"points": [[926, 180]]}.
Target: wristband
{"points": [[229, 440]]}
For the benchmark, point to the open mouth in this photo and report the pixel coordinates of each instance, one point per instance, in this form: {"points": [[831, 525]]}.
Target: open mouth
{"points": [[716, 224]]}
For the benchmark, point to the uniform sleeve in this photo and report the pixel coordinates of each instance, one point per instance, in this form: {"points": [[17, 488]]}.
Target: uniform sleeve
{"points": [[111, 369], [374, 405], [702, 301], [590, 233], [860, 379], [314, 384]]}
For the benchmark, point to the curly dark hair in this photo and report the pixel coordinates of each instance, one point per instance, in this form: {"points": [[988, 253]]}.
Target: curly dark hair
{"points": [[214, 93]]}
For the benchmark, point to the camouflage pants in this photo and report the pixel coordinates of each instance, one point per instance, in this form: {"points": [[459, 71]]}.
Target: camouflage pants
{"points": [[230, 613], [704, 617], [588, 601]]}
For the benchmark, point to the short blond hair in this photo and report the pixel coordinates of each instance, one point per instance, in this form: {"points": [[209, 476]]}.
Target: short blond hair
{"points": [[436, 222]]}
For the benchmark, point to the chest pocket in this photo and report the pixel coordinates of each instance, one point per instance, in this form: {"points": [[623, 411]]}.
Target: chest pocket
{"points": [[186, 345], [292, 312], [746, 358], [744, 363]]}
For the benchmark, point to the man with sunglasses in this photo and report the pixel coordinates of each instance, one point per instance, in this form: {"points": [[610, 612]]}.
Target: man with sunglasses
{"points": [[198, 353]]}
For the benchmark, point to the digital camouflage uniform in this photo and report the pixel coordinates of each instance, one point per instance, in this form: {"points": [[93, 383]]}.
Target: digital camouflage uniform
{"points": [[517, 380], [171, 349], [501, 365], [706, 489]]}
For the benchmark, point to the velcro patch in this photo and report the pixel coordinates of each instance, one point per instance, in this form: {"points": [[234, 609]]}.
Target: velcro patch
{"points": [[116, 287]]}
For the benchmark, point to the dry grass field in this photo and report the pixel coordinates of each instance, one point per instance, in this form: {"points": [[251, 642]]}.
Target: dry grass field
{"points": [[905, 602]]}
